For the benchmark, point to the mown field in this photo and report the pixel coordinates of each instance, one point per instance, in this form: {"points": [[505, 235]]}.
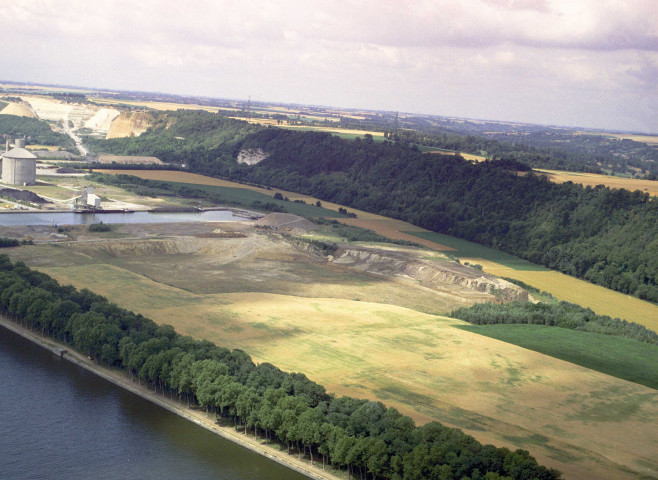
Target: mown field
{"points": [[619, 357], [346, 331]]}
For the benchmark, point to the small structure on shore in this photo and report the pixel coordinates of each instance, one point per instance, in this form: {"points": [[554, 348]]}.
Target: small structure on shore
{"points": [[19, 166], [87, 200]]}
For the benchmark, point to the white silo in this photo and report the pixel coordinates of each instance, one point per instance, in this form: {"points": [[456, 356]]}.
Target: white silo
{"points": [[19, 167]]}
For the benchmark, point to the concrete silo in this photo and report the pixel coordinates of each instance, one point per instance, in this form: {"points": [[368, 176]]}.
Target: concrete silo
{"points": [[19, 167]]}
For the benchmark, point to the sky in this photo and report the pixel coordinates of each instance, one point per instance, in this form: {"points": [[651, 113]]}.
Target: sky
{"points": [[579, 63]]}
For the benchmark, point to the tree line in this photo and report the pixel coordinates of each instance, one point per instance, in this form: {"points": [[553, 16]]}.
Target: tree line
{"points": [[558, 314], [363, 437]]}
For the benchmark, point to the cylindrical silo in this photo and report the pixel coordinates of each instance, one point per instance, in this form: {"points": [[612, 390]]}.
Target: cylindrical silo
{"points": [[19, 167]]}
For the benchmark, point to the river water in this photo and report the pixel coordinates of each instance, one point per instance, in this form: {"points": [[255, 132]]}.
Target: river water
{"points": [[72, 218], [59, 421]]}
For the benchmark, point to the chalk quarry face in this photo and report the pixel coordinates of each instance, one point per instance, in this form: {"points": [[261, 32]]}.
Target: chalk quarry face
{"points": [[252, 156]]}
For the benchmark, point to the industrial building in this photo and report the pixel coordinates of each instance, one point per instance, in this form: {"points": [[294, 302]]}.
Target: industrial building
{"points": [[87, 200], [19, 166]]}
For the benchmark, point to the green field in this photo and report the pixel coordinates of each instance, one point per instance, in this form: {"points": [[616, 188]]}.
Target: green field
{"points": [[247, 197], [620, 357], [466, 249]]}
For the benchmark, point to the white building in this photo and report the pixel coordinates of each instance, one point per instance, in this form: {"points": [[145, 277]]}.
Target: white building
{"points": [[19, 167]]}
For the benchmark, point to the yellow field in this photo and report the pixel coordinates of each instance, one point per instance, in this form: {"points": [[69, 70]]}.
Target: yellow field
{"points": [[335, 130], [465, 156], [584, 423], [593, 179], [570, 289]]}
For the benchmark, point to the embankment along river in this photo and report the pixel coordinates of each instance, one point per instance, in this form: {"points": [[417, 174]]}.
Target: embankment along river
{"points": [[61, 421]]}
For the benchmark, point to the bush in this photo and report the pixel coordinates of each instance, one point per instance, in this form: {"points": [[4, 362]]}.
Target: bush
{"points": [[100, 227]]}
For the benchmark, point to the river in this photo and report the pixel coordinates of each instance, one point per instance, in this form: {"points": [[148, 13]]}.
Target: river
{"points": [[72, 218], [59, 421]]}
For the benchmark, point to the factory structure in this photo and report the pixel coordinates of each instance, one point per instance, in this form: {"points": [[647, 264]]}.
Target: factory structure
{"points": [[87, 200], [19, 166]]}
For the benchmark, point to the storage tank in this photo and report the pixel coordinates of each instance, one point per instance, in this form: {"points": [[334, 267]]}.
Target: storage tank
{"points": [[19, 167], [19, 143]]}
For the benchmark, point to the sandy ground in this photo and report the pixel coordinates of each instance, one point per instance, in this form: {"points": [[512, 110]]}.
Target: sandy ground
{"points": [[200, 418]]}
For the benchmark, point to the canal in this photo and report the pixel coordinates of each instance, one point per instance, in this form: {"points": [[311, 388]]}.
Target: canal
{"points": [[59, 421], [72, 218]]}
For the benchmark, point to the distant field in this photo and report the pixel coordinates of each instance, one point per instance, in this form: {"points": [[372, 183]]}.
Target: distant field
{"points": [[464, 155], [563, 287], [334, 130], [649, 139], [154, 105], [593, 179], [619, 357]]}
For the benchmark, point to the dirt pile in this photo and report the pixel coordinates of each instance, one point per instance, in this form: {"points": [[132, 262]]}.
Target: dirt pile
{"points": [[286, 222], [147, 247], [22, 195], [431, 273], [18, 109], [129, 124]]}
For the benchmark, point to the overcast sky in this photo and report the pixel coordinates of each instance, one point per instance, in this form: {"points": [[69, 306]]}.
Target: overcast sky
{"points": [[590, 63]]}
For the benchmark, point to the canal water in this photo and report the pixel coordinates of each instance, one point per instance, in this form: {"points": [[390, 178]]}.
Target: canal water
{"points": [[59, 421], [72, 218]]}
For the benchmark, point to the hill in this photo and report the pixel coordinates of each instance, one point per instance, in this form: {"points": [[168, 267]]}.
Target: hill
{"points": [[606, 236]]}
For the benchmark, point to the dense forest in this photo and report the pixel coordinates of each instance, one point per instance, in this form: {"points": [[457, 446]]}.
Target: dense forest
{"points": [[361, 436], [607, 236], [37, 131]]}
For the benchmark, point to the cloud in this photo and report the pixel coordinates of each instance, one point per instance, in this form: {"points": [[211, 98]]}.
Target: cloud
{"points": [[477, 57]]}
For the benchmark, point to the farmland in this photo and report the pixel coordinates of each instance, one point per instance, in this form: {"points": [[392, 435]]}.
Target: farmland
{"points": [[620, 357], [369, 337], [593, 179]]}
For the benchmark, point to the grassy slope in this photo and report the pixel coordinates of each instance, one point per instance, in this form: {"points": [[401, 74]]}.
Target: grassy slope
{"points": [[620, 357]]}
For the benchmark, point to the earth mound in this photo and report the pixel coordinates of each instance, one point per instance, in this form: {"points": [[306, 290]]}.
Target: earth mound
{"points": [[18, 109], [286, 222], [22, 195]]}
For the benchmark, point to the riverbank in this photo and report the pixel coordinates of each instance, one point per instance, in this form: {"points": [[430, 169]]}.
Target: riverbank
{"points": [[198, 417]]}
